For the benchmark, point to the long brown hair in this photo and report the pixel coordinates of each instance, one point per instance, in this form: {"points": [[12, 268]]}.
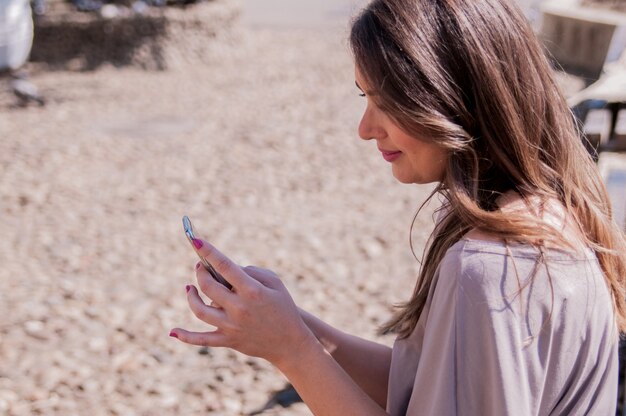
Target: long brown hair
{"points": [[472, 76]]}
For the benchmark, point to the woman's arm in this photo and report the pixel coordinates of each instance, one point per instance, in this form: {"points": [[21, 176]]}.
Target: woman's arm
{"points": [[259, 318], [323, 385], [365, 361]]}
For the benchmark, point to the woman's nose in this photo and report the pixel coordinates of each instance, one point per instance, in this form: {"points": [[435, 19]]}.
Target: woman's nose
{"points": [[367, 126]]}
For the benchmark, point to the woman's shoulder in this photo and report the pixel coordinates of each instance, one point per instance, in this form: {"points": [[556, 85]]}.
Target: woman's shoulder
{"points": [[473, 259], [484, 246], [480, 247], [490, 271]]}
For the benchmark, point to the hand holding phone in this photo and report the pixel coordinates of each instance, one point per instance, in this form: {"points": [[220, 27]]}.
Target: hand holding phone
{"points": [[189, 233]]}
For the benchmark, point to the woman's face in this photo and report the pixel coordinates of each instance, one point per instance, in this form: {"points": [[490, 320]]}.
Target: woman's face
{"points": [[413, 160]]}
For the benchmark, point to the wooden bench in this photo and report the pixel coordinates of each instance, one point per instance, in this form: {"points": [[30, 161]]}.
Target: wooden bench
{"points": [[589, 43]]}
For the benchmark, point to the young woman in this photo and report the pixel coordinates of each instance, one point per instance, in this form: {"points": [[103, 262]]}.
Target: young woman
{"points": [[520, 301]]}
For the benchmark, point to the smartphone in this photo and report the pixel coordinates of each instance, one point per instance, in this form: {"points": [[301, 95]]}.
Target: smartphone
{"points": [[189, 233]]}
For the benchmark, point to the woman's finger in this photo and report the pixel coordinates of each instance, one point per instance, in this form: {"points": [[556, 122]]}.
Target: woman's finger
{"points": [[204, 339], [224, 266], [266, 277], [212, 288], [204, 312], [216, 305]]}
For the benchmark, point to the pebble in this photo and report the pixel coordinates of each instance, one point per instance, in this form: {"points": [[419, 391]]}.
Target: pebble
{"points": [[98, 344], [231, 405], [7, 397], [35, 329]]}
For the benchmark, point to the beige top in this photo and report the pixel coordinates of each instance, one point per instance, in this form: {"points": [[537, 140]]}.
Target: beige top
{"points": [[483, 347]]}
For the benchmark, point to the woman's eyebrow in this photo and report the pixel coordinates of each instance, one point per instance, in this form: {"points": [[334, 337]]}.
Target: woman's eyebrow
{"points": [[357, 85]]}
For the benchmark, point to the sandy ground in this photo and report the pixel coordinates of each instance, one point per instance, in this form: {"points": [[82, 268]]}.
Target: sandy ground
{"points": [[258, 145], [259, 148]]}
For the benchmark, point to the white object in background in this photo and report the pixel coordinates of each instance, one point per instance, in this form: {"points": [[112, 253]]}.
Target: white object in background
{"points": [[611, 87], [16, 33], [612, 167]]}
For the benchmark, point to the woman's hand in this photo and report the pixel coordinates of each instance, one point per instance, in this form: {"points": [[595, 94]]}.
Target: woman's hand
{"points": [[258, 317]]}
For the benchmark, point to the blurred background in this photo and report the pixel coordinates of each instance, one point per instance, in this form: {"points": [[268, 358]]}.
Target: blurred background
{"points": [[118, 118]]}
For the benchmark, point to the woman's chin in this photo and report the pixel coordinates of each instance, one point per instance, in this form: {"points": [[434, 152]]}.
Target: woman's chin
{"points": [[406, 179]]}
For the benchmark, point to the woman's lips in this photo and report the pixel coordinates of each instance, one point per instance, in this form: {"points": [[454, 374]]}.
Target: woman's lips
{"points": [[390, 156]]}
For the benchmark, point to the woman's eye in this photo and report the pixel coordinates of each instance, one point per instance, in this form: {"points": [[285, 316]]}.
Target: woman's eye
{"points": [[362, 94]]}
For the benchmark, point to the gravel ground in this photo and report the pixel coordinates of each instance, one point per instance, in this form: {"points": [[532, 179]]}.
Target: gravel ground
{"points": [[258, 146], [253, 135]]}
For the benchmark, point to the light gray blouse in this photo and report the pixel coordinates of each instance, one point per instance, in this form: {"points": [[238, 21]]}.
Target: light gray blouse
{"points": [[491, 342]]}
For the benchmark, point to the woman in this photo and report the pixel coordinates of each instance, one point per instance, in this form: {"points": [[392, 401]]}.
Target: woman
{"points": [[519, 304]]}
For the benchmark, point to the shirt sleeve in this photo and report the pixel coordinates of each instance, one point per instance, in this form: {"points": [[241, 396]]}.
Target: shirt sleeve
{"points": [[471, 361]]}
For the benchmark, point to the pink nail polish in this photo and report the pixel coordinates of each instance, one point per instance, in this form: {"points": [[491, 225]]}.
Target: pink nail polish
{"points": [[173, 334], [197, 243], [197, 265], [187, 288]]}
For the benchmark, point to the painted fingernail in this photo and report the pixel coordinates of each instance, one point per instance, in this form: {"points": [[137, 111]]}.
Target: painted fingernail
{"points": [[198, 265], [187, 288], [173, 334], [197, 243]]}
